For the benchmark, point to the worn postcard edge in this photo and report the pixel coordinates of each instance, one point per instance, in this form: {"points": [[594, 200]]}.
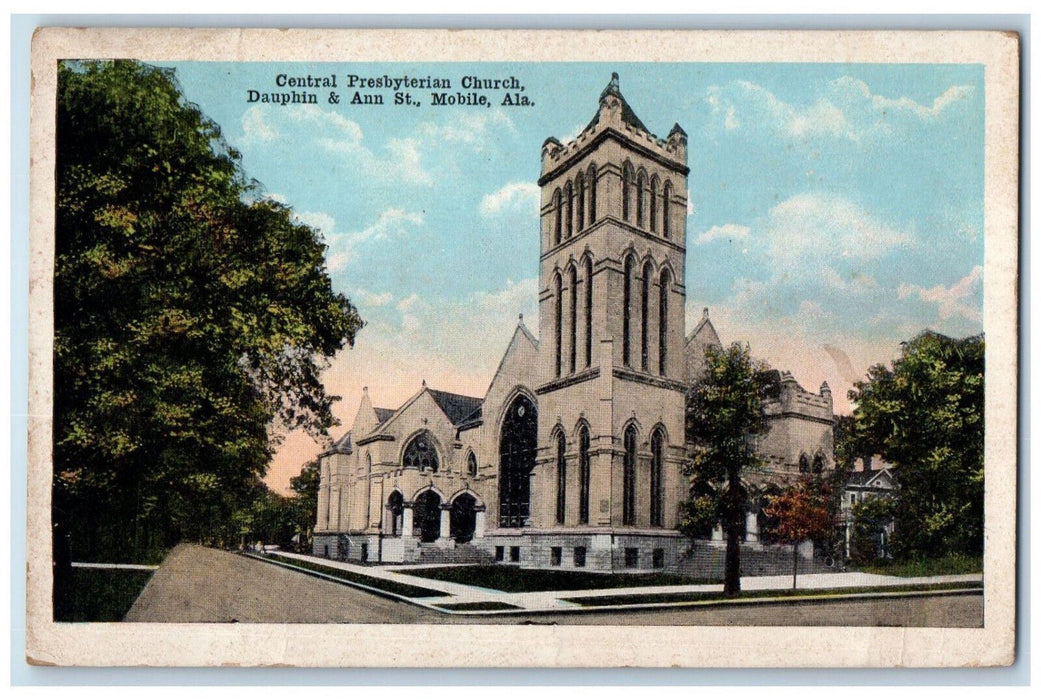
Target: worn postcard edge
{"points": [[139, 644]]}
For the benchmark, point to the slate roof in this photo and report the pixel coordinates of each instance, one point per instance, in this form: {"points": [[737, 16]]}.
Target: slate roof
{"points": [[628, 115], [343, 445], [383, 414], [456, 406], [862, 478]]}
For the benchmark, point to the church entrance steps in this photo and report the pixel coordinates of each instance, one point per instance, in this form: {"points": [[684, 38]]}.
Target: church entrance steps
{"points": [[501, 602]]}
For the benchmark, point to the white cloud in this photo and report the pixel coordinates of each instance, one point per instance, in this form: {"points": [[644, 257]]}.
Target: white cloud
{"points": [[255, 126], [342, 246], [475, 129], [820, 225], [367, 298], [958, 300], [847, 109], [406, 153], [514, 196], [731, 232]]}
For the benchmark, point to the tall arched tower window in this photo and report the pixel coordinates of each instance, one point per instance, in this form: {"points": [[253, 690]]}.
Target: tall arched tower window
{"points": [[629, 478], [558, 215], [641, 190], [591, 185], [580, 203], [420, 454], [573, 318], [471, 464], [558, 321], [666, 202], [654, 204], [627, 303], [569, 204], [645, 294], [663, 320], [561, 478], [627, 190], [583, 475], [657, 470], [589, 311]]}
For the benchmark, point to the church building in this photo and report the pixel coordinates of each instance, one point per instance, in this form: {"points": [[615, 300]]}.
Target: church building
{"points": [[574, 456]]}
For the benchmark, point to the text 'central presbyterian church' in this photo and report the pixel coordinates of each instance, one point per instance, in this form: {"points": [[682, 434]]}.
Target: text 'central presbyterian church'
{"points": [[574, 457]]}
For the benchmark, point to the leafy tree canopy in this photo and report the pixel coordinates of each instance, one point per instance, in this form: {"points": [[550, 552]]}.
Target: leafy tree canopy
{"points": [[190, 316], [925, 416], [724, 416]]}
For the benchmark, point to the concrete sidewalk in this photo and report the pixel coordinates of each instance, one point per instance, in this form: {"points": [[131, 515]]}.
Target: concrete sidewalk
{"points": [[549, 601]]}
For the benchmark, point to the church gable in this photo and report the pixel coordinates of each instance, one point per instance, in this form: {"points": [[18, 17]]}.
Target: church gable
{"points": [[518, 367], [700, 339]]}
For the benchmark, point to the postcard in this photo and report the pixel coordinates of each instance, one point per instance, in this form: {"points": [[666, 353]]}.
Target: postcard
{"points": [[523, 348]]}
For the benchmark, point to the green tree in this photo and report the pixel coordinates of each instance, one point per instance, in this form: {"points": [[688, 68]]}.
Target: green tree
{"points": [[870, 520], [305, 486], [925, 415], [802, 512], [724, 416], [192, 320]]}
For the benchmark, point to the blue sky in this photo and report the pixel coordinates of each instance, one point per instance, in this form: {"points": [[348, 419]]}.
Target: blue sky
{"points": [[835, 209]]}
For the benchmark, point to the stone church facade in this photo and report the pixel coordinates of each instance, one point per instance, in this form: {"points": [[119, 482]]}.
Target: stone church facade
{"points": [[574, 455]]}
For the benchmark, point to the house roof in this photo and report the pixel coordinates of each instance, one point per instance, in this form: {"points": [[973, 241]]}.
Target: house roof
{"points": [[865, 477], [457, 407], [628, 115]]}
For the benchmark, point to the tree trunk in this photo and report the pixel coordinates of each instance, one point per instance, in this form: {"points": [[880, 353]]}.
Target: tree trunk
{"points": [[735, 511], [795, 562]]}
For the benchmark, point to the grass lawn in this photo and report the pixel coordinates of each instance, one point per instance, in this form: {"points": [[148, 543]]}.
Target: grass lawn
{"points": [[953, 564], [349, 576], [513, 579], [637, 599], [97, 595]]}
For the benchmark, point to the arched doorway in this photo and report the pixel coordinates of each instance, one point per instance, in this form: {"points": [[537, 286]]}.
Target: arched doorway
{"points": [[463, 518], [395, 508], [517, 445], [426, 513]]}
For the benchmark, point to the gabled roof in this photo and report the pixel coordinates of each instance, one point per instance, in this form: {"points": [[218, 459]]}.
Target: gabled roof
{"points": [[866, 477], [456, 406], [628, 115], [383, 414], [342, 446]]}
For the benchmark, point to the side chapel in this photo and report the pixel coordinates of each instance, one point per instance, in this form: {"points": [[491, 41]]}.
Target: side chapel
{"points": [[573, 457]]}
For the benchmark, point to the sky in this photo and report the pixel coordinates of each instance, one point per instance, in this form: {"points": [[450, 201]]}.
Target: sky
{"points": [[835, 210]]}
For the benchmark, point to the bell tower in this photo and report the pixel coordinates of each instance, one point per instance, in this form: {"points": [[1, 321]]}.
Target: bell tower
{"points": [[613, 227]]}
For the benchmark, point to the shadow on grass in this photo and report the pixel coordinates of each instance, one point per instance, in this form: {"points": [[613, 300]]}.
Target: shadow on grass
{"points": [[402, 589]]}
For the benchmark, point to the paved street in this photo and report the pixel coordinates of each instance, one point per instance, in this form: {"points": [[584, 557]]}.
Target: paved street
{"points": [[196, 584]]}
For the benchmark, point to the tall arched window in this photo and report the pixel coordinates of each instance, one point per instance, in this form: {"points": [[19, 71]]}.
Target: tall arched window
{"points": [[641, 189], [627, 302], [561, 478], [818, 464], [629, 478], [645, 295], [589, 311], [591, 185], [804, 464], [471, 464], [569, 204], [558, 322], [627, 190], [420, 454], [580, 196], [573, 318], [583, 475], [654, 203], [663, 320], [657, 470], [666, 201], [558, 215]]}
